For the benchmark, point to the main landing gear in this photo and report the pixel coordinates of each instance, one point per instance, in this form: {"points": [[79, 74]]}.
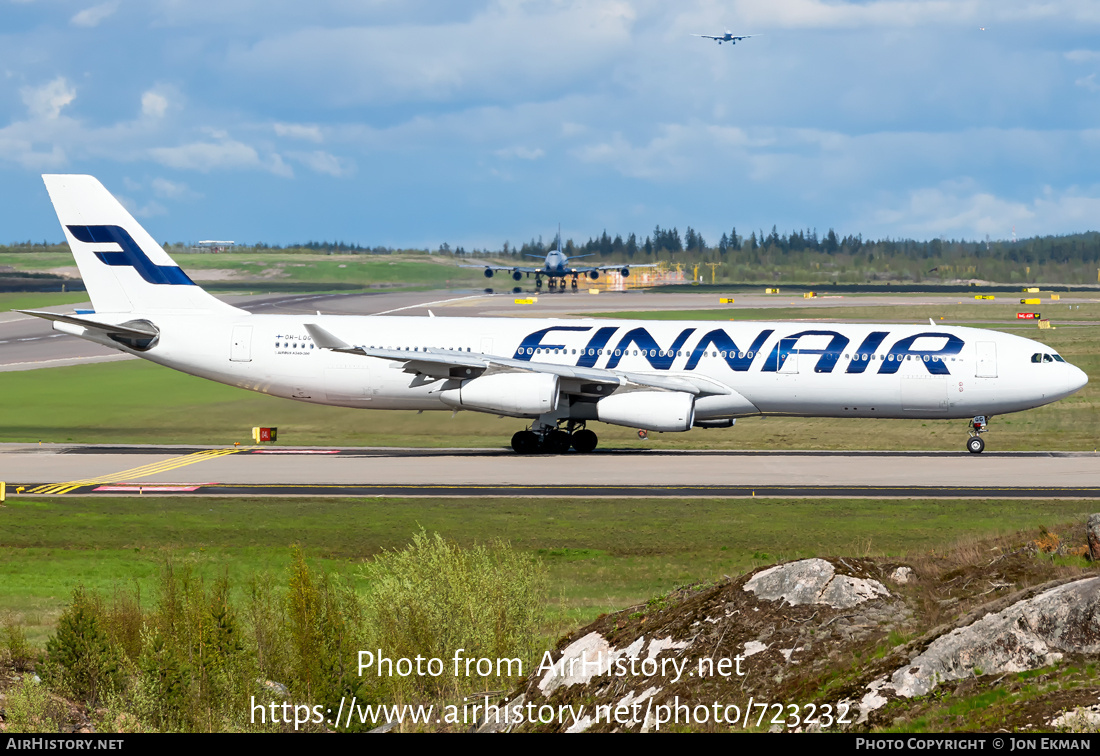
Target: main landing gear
{"points": [[978, 425], [554, 440]]}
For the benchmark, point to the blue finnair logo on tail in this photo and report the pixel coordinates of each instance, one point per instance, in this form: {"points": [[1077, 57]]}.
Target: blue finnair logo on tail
{"points": [[131, 255]]}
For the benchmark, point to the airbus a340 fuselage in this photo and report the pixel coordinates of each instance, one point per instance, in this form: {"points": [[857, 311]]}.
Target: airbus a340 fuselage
{"points": [[559, 374]]}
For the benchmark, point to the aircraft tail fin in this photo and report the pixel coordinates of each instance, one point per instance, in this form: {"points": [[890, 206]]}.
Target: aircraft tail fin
{"points": [[123, 267]]}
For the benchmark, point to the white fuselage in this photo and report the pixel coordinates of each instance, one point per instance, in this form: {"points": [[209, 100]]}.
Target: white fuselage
{"points": [[772, 368]]}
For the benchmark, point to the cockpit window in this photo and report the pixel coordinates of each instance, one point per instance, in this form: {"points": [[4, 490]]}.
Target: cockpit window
{"points": [[1057, 358], [1036, 357], [1047, 358]]}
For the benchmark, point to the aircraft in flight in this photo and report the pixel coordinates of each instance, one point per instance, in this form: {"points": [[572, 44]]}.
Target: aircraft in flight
{"points": [[727, 37], [558, 375], [556, 269]]}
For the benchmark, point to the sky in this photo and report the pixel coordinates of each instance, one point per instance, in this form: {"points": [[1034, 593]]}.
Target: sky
{"points": [[409, 123]]}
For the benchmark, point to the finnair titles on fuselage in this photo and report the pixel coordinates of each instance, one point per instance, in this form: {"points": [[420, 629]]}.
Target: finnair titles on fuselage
{"points": [[560, 374]]}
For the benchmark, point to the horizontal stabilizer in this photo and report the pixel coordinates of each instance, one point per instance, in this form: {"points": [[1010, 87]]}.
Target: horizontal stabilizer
{"points": [[132, 329]]}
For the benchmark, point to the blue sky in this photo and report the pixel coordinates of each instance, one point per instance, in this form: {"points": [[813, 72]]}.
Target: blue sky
{"points": [[411, 123]]}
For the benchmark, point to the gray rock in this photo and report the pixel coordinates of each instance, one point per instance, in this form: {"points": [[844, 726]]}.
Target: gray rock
{"points": [[1093, 530], [813, 581], [1029, 634]]}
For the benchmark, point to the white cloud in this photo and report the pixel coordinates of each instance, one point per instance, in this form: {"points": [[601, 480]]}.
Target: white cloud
{"points": [[955, 209], [48, 100], [509, 49], [1082, 56], [308, 132], [676, 152], [324, 162], [523, 153], [1088, 82], [166, 189], [23, 152], [752, 15], [154, 104], [150, 209], [960, 209], [91, 17], [227, 154]]}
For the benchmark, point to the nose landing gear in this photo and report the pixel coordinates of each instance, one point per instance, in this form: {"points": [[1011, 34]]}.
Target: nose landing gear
{"points": [[978, 425]]}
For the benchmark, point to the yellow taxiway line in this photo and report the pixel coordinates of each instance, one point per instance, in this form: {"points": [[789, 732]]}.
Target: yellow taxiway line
{"points": [[136, 472]]}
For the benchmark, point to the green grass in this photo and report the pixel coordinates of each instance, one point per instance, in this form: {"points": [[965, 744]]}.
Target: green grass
{"points": [[35, 262], [253, 269], [602, 554], [953, 311], [38, 300]]}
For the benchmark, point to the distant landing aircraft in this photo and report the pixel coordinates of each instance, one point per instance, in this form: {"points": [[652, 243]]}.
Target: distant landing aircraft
{"points": [[727, 37]]}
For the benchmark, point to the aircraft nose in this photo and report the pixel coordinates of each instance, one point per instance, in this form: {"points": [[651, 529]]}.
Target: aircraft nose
{"points": [[1071, 380], [1077, 379]]}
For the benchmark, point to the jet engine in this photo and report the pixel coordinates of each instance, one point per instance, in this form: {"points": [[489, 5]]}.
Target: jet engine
{"points": [[517, 394], [652, 410]]}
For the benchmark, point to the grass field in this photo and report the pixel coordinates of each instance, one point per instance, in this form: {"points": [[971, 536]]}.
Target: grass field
{"points": [[38, 300], [603, 554], [255, 268], [952, 311]]}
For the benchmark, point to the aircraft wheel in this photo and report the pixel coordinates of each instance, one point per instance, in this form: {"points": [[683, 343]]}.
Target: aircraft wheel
{"points": [[584, 441], [524, 442], [975, 445], [557, 442]]}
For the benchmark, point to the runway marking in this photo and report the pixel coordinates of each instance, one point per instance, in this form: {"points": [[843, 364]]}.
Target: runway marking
{"points": [[147, 489], [135, 472], [432, 304], [63, 362], [295, 451]]}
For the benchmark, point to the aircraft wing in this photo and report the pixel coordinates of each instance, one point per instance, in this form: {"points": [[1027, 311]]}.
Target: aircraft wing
{"points": [[509, 268], [443, 364], [707, 36]]}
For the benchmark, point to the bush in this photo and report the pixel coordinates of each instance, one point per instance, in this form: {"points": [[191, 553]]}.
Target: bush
{"points": [[196, 673], [80, 659], [29, 708], [326, 628], [434, 597], [19, 651]]}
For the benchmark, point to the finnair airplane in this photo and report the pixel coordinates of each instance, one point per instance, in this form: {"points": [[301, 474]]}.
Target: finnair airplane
{"points": [[560, 375]]}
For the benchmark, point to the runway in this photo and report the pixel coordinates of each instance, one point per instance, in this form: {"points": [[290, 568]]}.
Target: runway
{"points": [[63, 470]]}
